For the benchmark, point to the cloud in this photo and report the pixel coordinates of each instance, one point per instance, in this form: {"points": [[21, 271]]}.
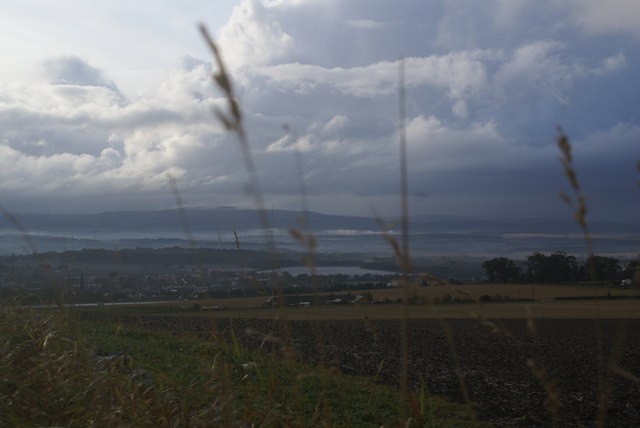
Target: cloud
{"points": [[252, 36], [458, 73], [335, 125], [538, 64], [469, 81], [508, 12], [366, 24], [435, 145], [459, 108], [621, 145], [82, 139], [72, 70], [614, 16], [612, 64], [275, 3], [287, 144], [481, 109]]}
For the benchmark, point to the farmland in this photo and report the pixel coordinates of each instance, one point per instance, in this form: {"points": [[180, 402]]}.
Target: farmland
{"points": [[523, 363], [509, 301]]}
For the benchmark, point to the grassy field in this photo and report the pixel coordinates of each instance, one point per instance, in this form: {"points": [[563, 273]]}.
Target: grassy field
{"points": [[95, 373], [114, 371]]}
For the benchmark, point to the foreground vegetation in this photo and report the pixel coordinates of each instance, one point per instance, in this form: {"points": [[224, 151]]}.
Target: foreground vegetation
{"points": [[511, 372], [60, 371]]}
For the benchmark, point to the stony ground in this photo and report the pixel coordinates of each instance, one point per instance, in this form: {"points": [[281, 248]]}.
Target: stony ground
{"points": [[517, 375]]}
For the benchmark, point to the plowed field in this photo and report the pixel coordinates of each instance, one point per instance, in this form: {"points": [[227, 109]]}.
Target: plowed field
{"points": [[576, 360]]}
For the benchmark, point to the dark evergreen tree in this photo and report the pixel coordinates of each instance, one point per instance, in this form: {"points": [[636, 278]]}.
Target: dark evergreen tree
{"points": [[502, 269], [599, 268], [556, 267]]}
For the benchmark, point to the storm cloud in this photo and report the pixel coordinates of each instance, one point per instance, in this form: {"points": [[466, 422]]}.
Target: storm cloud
{"points": [[486, 85]]}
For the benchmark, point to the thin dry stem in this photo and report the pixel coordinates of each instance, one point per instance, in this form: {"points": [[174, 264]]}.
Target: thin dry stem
{"points": [[233, 122], [550, 387], [184, 221], [579, 202], [605, 371], [404, 219], [534, 364], [626, 374]]}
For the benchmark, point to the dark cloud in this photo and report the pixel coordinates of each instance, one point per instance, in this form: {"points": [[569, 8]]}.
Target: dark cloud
{"points": [[486, 84]]}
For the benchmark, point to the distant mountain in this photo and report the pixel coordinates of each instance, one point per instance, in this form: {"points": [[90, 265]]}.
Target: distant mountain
{"points": [[521, 225], [430, 235], [227, 219], [219, 220]]}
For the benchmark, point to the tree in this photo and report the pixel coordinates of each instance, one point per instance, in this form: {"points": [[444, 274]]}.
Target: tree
{"points": [[631, 271], [502, 269], [600, 268], [556, 267]]}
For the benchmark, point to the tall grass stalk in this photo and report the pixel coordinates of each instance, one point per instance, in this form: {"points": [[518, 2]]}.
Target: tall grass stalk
{"points": [[578, 202], [405, 259], [233, 121], [402, 252], [606, 369]]}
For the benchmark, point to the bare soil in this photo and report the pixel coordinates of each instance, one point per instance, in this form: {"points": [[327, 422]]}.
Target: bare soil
{"points": [[516, 375]]}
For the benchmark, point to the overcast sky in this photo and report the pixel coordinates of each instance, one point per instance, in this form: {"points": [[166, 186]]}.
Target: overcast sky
{"points": [[99, 101]]}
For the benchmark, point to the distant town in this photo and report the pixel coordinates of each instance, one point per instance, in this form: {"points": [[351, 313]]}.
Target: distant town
{"points": [[135, 275]]}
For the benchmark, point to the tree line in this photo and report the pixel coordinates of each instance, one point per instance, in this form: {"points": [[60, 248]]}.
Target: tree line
{"points": [[558, 267], [179, 256]]}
